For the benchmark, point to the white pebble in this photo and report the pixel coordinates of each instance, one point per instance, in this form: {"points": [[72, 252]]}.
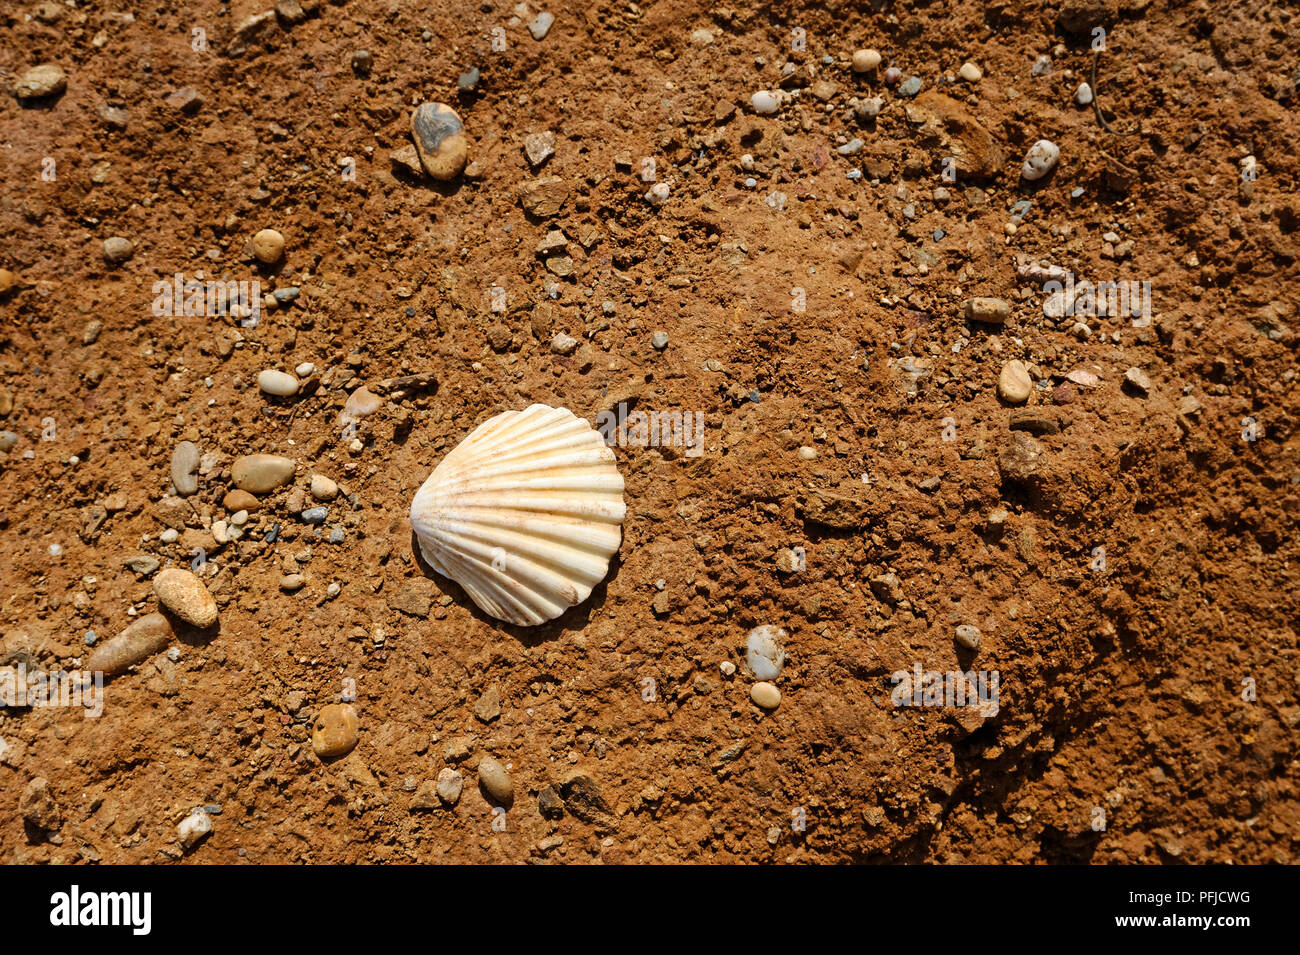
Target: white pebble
{"points": [[764, 102], [764, 652], [658, 194], [277, 382], [1040, 160], [747, 162], [305, 370], [194, 827], [864, 61], [970, 73], [1083, 95], [169, 536]]}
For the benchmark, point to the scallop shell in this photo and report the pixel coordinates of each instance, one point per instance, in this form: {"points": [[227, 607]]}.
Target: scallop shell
{"points": [[524, 514]]}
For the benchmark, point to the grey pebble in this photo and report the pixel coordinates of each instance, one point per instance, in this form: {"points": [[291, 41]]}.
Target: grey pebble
{"points": [[184, 469], [468, 81], [541, 26], [910, 86], [286, 295], [337, 535], [659, 340], [315, 515]]}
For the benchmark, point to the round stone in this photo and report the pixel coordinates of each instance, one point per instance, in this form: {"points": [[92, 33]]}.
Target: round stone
{"points": [[279, 383], [495, 780], [268, 246], [260, 473], [117, 250], [322, 488], [765, 695], [1083, 95], [764, 102], [440, 140], [659, 341], [335, 730], [968, 636], [292, 582], [970, 72], [1040, 160], [185, 596], [864, 61], [1014, 384]]}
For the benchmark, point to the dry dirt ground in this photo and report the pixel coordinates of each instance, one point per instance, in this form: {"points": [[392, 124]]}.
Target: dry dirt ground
{"points": [[1128, 550]]}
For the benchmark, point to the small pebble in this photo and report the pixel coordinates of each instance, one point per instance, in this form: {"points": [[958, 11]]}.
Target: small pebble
{"points": [[991, 311], [893, 76], [659, 341], [362, 62], [1014, 383], [658, 194], [450, 784], [765, 651], [727, 667], [322, 488], [169, 536], [541, 25], [910, 86], [539, 147], [260, 473], [1040, 160], [440, 140], [305, 370], [290, 583], [268, 246], [184, 595], [468, 81], [764, 103], [765, 695], [335, 730], [279, 383], [1083, 95], [495, 780], [1138, 379], [970, 72], [865, 61], [315, 515], [194, 828], [184, 468], [40, 82], [117, 250], [968, 636]]}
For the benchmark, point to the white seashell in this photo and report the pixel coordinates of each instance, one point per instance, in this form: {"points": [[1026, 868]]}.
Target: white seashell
{"points": [[525, 514], [1040, 160]]}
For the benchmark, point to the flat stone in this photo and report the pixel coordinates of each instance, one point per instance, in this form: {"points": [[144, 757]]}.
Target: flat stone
{"points": [[290, 583], [539, 147], [407, 157], [113, 117], [260, 473], [185, 596], [40, 82], [563, 344], [1033, 421], [488, 706], [495, 781], [184, 468], [543, 198], [1137, 379], [185, 100], [440, 140], [335, 730], [142, 564]]}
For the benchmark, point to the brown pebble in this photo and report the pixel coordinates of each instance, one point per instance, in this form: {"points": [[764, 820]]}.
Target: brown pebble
{"points": [[440, 140], [184, 595], [137, 643], [239, 500], [335, 730]]}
